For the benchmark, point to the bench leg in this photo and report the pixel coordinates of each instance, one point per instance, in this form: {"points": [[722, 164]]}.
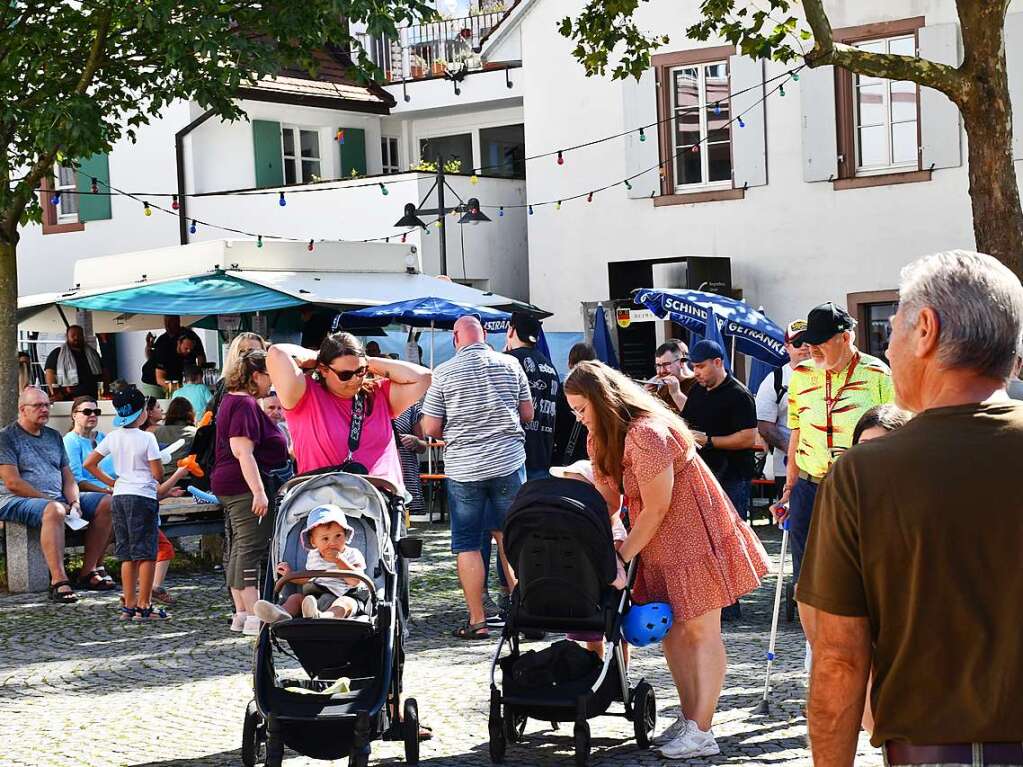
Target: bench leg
{"points": [[26, 565]]}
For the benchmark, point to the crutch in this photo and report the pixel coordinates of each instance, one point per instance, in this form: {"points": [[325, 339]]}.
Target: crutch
{"points": [[764, 707]]}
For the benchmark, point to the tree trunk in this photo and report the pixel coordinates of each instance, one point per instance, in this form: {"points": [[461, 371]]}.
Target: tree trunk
{"points": [[8, 330]]}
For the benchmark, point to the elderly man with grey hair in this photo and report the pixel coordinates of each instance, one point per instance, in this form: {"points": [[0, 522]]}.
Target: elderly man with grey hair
{"points": [[913, 561]]}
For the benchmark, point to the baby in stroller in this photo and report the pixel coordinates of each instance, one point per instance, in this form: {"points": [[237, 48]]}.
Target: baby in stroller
{"points": [[327, 535]]}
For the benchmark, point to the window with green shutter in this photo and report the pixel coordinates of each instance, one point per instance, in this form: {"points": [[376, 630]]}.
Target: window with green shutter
{"points": [[93, 207], [352, 144], [266, 144]]}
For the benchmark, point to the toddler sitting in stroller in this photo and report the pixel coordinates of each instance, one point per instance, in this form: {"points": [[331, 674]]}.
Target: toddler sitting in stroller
{"points": [[326, 535]]}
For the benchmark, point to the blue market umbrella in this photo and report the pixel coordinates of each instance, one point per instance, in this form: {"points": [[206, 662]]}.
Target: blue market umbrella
{"points": [[602, 340], [758, 371], [754, 333], [712, 332], [424, 313]]}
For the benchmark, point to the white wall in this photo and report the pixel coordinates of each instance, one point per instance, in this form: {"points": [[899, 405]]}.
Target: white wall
{"points": [[478, 89], [792, 244]]}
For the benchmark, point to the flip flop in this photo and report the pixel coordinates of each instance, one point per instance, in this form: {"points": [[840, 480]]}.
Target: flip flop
{"points": [[472, 631]]}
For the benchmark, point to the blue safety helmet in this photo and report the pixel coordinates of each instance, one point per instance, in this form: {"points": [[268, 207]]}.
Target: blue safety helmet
{"points": [[646, 624]]}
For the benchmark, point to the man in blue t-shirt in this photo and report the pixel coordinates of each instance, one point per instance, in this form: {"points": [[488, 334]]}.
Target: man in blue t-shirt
{"points": [[544, 384]]}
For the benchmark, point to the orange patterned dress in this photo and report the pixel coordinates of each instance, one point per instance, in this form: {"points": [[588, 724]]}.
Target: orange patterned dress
{"points": [[703, 556]]}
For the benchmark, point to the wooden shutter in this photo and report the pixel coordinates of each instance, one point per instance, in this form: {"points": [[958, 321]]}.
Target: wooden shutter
{"points": [[940, 133], [749, 144], [352, 145], [1014, 68], [93, 207], [820, 137], [266, 146], [639, 109]]}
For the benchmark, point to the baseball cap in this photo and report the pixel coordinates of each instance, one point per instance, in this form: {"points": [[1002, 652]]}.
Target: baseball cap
{"points": [[323, 515], [128, 403], [581, 468], [527, 328], [824, 322], [705, 350], [794, 328]]}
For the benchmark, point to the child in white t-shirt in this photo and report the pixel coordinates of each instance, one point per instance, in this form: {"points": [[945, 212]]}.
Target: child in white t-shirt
{"points": [[135, 507], [327, 534]]}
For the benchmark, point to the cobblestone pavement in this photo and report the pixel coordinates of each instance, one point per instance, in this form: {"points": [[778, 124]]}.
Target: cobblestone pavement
{"points": [[79, 688]]}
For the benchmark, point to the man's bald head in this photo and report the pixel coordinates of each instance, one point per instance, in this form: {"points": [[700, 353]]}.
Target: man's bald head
{"points": [[468, 330]]}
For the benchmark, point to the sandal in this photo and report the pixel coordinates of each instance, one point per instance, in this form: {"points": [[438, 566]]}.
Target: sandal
{"points": [[146, 614], [62, 597], [94, 580], [163, 596], [425, 733], [472, 631], [126, 613]]}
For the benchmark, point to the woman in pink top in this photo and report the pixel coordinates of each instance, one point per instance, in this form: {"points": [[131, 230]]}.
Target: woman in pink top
{"points": [[321, 390]]}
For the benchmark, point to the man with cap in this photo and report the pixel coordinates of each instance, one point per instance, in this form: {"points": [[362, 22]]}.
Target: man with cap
{"points": [[826, 399], [544, 384], [723, 416], [773, 403]]}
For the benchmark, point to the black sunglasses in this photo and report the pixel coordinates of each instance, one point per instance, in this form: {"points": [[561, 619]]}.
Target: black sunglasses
{"points": [[90, 411], [348, 375]]}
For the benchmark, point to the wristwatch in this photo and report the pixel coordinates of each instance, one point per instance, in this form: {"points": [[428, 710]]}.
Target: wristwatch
{"points": [[710, 441]]}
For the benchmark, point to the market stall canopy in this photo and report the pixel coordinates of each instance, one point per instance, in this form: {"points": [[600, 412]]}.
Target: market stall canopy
{"points": [[425, 313], [754, 333], [44, 313]]}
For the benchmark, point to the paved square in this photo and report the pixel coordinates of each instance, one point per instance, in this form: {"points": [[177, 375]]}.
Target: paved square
{"points": [[77, 687]]}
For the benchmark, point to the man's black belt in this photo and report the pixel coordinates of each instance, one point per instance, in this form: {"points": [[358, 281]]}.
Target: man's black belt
{"points": [[810, 477], [899, 753]]}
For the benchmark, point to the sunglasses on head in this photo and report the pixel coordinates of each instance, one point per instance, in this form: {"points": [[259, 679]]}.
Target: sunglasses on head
{"points": [[348, 375], [90, 411]]}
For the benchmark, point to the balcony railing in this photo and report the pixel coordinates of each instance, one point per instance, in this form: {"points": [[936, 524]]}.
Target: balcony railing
{"points": [[428, 50]]}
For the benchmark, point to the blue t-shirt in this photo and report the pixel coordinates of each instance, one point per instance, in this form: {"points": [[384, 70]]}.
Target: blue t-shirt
{"points": [[198, 394], [40, 461], [78, 449]]}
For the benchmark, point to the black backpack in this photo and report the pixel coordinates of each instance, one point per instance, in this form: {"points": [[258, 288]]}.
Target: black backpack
{"points": [[561, 663]]}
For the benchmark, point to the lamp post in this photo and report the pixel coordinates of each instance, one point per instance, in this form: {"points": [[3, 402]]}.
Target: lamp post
{"points": [[471, 213]]}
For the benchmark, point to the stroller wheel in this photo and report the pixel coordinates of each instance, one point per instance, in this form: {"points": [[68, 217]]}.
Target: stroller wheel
{"points": [[253, 736], [358, 756], [497, 739], [410, 729], [514, 724], [582, 743], [644, 713]]}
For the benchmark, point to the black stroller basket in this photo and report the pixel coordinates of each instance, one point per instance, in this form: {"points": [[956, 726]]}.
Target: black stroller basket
{"points": [[557, 536]]}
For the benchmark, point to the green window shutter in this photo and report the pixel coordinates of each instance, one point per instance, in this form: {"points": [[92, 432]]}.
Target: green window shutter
{"points": [[266, 142], [93, 207], [353, 151]]}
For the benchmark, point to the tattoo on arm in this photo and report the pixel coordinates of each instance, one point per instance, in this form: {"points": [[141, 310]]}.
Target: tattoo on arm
{"points": [[774, 435]]}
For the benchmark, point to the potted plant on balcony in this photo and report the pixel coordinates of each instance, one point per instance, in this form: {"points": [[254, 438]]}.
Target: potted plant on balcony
{"points": [[439, 67], [417, 67]]}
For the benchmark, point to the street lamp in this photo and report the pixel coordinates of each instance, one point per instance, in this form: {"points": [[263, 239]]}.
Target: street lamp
{"points": [[473, 214], [410, 219]]}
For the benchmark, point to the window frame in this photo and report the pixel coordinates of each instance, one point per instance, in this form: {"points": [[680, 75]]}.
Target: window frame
{"points": [[299, 159], [50, 222], [66, 218], [859, 305], [850, 176], [664, 64], [390, 164]]}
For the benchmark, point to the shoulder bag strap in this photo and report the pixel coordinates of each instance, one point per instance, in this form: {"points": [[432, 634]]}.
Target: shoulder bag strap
{"points": [[358, 418]]}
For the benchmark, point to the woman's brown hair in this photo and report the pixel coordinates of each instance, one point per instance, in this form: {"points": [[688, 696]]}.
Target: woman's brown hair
{"points": [[179, 412], [344, 344], [79, 401], [239, 377], [615, 401]]}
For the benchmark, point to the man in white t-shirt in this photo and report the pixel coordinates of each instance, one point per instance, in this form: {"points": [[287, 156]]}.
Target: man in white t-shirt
{"points": [[773, 402]]}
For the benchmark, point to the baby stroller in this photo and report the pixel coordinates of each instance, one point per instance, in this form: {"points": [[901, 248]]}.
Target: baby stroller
{"points": [[369, 652], [558, 538]]}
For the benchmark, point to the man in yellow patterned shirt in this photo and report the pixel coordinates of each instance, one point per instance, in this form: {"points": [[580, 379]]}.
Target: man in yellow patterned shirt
{"points": [[827, 396]]}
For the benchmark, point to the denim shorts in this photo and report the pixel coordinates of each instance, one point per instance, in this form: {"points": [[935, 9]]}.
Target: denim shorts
{"points": [[471, 515], [29, 511], [135, 527]]}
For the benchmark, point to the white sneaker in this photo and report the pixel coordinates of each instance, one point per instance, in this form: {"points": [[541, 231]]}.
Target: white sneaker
{"points": [[693, 743], [672, 731], [238, 621], [310, 609], [268, 612], [251, 627]]}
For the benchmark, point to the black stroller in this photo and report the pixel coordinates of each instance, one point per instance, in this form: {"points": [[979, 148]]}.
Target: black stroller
{"points": [[370, 653], [558, 538]]}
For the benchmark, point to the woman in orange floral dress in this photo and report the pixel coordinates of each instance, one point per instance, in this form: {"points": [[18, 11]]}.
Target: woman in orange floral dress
{"points": [[696, 553]]}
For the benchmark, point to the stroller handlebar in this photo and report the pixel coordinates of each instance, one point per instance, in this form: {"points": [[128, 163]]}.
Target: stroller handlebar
{"points": [[301, 575]]}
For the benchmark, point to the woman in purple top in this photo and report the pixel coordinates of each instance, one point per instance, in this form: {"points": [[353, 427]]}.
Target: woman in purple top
{"points": [[248, 446]]}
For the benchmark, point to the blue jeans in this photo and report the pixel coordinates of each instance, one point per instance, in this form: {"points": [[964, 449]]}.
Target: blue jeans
{"points": [[738, 492], [532, 474], [29, 511], [801, 501], [471, 515]]}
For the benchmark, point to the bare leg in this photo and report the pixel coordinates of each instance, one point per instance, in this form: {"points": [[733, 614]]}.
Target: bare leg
{"points": [[696, 650], [868, 715], [508, 572], [97, 536], [344, 607], [51, 539], [129, 576], [470, 575], [249, 596], [292, 605], [161, 573], [147, 567], [239, 603]]}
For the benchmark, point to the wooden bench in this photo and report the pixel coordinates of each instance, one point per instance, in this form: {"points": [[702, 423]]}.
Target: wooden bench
{"points": [[26, 565]]}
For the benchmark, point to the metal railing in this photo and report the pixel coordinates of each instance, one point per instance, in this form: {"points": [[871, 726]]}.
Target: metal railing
{"points": [[429, 50]]}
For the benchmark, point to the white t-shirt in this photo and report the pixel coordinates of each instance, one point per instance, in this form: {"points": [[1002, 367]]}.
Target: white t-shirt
{"points": [[771, 410], [351, 556], [132, 450]]}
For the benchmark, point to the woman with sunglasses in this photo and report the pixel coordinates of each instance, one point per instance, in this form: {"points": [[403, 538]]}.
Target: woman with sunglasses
{"points": [[79, 442], [320, 392]]}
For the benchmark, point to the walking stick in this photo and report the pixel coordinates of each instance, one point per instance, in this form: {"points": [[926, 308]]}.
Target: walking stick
{"points": [[764, 707]]}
